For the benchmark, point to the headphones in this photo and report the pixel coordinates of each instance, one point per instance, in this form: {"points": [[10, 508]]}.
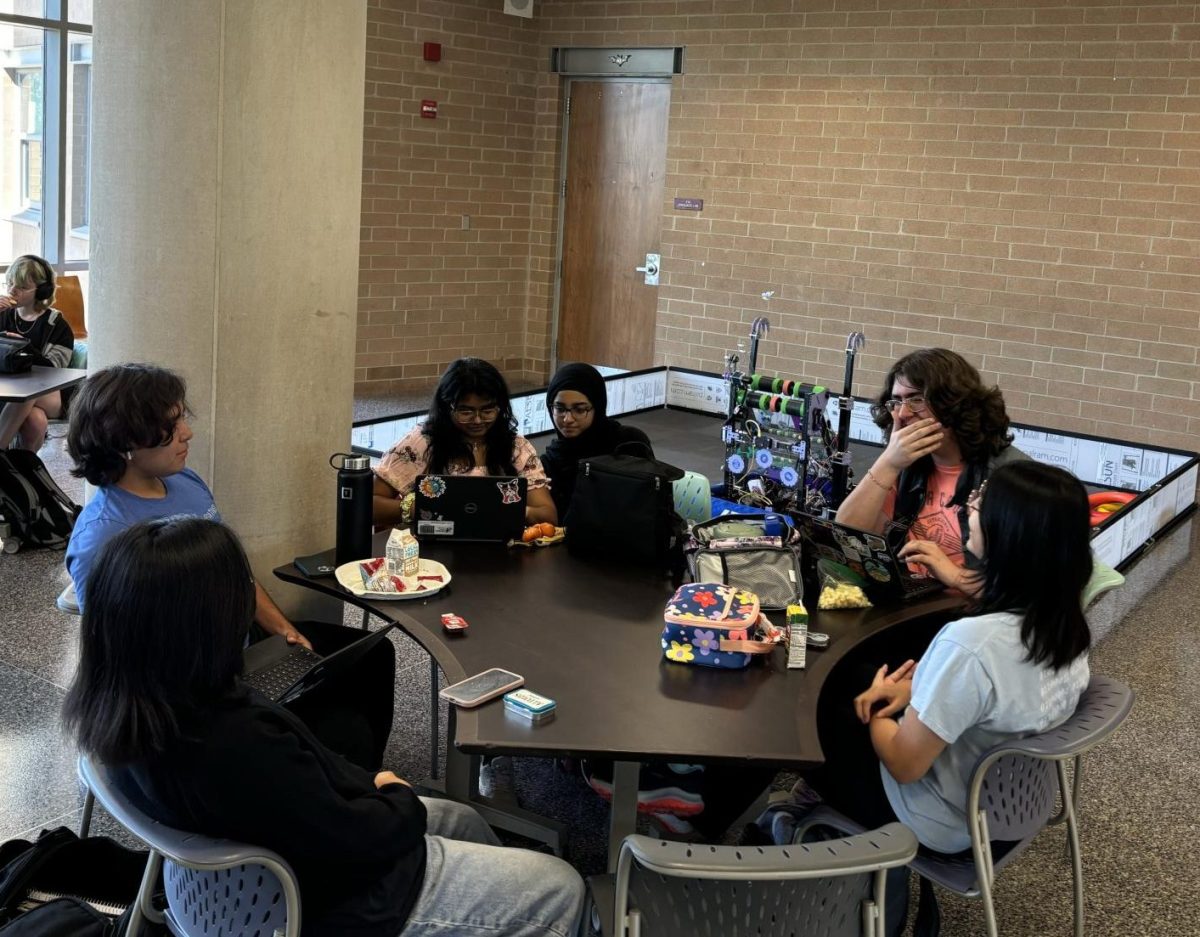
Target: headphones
{"points": [[44, 291]]}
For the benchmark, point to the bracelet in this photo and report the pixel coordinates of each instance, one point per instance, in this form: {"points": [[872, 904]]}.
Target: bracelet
{"points": [[878, 483]]}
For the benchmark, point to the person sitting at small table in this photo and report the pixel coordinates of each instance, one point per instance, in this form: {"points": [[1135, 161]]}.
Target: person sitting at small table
{"points": [[129, 437], [470, 430], [156, 699], [26, 311], [578, 403], [946, 433], [1015, 666]]}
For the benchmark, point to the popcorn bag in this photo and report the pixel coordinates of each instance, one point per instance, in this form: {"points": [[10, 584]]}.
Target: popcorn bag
{"points": [[836, 594]]}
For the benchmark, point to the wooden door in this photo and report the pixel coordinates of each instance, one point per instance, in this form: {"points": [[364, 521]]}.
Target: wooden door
{"points": [[616, 154]]}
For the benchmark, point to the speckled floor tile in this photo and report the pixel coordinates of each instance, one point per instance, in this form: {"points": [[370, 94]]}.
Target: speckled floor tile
{"points": [[37, 763]]}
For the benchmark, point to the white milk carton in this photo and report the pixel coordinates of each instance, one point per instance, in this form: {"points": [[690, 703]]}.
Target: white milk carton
{"points": [[403, 553]]}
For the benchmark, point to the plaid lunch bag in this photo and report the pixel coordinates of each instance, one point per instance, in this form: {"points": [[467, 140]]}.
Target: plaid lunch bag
{"points": [[715, 625]]}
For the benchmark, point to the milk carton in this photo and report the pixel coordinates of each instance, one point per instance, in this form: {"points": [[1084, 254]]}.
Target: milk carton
{"points": [[403, 553]]}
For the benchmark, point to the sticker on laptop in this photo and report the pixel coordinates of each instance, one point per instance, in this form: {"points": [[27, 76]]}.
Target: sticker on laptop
{"points": [[878, 571], [432, 486], [510, 491]]}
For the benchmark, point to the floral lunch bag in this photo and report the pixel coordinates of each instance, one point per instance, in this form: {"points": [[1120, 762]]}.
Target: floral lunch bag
{"points": [[716, 625]]}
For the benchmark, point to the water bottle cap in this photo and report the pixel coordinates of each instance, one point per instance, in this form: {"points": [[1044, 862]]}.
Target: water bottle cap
{"points": [[356, 462]]}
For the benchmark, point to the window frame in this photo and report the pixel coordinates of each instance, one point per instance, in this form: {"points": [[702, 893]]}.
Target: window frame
{"points": [[56, 43]]}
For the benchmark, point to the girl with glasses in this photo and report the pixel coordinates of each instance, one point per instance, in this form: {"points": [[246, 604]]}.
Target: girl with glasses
{"points": [[157, 700], [946, 433], [470, 430], [578, 404]]}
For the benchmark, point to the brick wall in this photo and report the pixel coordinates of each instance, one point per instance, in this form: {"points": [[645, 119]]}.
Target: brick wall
{"points": [[1018, 181], [430, 290]]}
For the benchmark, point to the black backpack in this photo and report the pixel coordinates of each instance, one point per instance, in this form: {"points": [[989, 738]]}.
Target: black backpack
{"points": [[64, 885], [38, 513], [623, 508]]}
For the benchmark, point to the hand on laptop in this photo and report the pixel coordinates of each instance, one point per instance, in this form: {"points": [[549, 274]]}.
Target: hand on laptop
{"points": [[929, 555], [383, 778], [292, 636]]}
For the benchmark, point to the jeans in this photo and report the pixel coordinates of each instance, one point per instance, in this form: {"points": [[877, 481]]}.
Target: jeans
{"points": [[475, 886]]}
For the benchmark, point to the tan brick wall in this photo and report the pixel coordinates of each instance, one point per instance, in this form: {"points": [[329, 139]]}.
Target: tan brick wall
{"points": [[428, 289], [1018, 181]]}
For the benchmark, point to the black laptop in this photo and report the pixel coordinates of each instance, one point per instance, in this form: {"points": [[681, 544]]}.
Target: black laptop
{"points": [[871, 558], [284, 672], [470, 507]]}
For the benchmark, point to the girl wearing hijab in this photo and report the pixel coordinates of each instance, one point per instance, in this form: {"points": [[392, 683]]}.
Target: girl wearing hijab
{"points": [[578, 404]]}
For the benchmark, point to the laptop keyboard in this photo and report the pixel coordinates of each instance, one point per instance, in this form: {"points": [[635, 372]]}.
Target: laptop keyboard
{"points": [[275, 680]]}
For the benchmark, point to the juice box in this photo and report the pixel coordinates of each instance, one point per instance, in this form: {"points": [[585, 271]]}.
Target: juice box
{"points": [[403, 553]]}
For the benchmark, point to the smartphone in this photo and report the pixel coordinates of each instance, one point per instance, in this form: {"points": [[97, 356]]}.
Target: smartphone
{"points": [[481, 687]]}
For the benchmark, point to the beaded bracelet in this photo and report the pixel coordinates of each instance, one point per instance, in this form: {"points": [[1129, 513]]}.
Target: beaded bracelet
{"points": [[878, 483]]}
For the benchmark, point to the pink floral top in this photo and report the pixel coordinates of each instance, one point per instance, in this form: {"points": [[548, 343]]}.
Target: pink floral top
{"points": [[408, 458]]}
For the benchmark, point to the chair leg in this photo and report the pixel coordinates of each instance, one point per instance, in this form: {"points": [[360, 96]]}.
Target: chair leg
{"points": [[85, 821], [143, 906], [1076, 857]]}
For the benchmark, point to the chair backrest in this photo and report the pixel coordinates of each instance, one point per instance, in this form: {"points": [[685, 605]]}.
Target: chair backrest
{"points": [[68, 299], [1019, 794], [815, 890], [215, 887], [693, 497], [1019, 781]]}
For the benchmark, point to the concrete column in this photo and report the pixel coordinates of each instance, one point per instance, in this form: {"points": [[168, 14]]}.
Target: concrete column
{"points": [[226, 193]]}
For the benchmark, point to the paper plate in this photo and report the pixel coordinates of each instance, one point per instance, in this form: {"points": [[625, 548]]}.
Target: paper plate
{"points": [[349, 576]]}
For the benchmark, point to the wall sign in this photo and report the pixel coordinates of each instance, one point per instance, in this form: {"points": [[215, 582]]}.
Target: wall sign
{"points": [[429, 109], [689, 204]]}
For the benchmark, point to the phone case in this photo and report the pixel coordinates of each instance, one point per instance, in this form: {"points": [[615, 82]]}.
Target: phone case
{"points": [[454, 692]]}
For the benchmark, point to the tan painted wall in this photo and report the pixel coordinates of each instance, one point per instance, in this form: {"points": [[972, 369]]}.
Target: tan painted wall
{"points": [[1017, 181]]}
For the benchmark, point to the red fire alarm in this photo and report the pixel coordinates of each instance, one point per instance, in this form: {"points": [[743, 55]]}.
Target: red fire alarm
{"points": [[433, 52], [429, 109]]}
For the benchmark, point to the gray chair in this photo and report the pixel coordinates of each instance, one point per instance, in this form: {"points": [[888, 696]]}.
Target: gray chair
{"points": [[214, 887], [1013, 794], [827, 889]]}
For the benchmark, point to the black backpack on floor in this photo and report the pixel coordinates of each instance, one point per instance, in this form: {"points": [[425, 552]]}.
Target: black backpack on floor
{"points": [[63, 885], [623, 508], [38, 512]]}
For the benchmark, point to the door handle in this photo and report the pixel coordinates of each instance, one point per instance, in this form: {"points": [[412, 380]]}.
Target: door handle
{"points": [[651, 269]]}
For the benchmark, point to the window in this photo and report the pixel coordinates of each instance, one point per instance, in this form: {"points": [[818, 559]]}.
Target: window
{"points": [[45, 130]]}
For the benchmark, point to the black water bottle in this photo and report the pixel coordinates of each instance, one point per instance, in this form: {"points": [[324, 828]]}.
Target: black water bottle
{"points": [[355, 483]]}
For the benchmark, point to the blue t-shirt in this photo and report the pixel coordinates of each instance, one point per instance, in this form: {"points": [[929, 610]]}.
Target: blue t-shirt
{"points": [[975, 688], [113, 509]]}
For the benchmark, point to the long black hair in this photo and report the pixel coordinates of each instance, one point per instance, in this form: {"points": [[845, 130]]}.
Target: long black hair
{"points": [[446, 442], [168, 605], [1037, 557], [957, 394], [123, 407]]}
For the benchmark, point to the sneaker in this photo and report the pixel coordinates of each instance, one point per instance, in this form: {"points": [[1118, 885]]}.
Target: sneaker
{"points": [[660, 789], [496, 777], [669, 826]]}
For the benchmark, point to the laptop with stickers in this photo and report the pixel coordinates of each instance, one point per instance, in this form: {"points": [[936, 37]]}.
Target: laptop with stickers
{"points": [[470, 507], [866, 559]]}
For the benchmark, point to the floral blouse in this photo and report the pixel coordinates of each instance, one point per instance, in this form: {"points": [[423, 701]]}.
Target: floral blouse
{"points": [[408, 458]]}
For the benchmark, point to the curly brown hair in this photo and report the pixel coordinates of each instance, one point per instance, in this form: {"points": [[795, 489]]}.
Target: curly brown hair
{"points": [[123, 407], [957, 395]]}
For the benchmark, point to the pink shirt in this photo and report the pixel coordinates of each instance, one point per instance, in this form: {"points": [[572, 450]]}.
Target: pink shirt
{"points": [[410, 456], [936, 521]]}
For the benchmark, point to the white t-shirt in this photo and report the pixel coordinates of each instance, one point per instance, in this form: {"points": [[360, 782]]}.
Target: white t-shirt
{"points": [[975, 688]]}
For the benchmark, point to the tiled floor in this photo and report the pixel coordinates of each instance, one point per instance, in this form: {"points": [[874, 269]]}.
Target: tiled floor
{"points": [[1140, 822]]}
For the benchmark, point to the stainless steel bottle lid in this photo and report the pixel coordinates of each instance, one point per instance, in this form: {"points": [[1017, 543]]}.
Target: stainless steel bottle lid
{"points": [[356, 463]]}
